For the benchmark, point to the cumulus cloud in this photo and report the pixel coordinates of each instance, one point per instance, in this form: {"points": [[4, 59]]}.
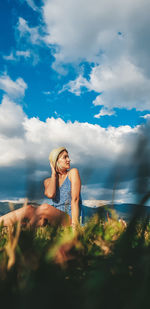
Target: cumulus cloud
{"points": [[15, 55], [79, 137], [14, 89], [81, 28], [11, 118], [10, 57], [46, 92], [76, 86], [39, 137], [32, 5], [31, 33], [121, 85], [28, 55], [23, 53], [93, 149], [31, 38], [104, 112], [108, 35], [84, 28], [147, 116]]}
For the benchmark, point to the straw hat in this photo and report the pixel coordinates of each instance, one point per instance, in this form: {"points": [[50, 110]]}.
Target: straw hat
{"points": [[53, 156]]}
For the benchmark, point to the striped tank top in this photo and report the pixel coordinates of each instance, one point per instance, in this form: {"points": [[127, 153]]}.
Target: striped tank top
{"points": [[62, 199]]}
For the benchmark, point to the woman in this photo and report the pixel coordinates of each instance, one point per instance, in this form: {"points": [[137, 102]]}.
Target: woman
{"points": [[62, 189]]}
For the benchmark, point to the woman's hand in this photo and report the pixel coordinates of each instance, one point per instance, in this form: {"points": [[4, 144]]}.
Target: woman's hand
{"points": [[53, 170], [50, 183]]}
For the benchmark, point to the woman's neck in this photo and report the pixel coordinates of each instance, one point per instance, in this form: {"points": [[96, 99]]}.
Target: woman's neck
{"points": [[60, 174]]}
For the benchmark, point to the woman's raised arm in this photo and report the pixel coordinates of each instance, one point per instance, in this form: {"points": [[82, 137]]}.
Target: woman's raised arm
{"points": [[50, 184]]}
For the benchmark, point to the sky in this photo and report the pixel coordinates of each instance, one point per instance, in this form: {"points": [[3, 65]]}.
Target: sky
{"points": [[74, 74]]}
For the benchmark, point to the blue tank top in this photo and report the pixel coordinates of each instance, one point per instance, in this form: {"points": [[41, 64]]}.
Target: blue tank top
{"points": [[62, 199]]}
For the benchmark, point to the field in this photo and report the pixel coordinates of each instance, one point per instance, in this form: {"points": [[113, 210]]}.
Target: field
{"points": [[103, 264]]}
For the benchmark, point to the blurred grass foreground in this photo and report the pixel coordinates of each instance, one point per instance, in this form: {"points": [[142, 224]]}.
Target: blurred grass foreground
{"points": [[104, 263]]}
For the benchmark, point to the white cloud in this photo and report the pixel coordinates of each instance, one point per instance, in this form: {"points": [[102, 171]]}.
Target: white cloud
{"points": [[80, 28], [75, 86], [32, 5], [93, 149], [31, 33], [103, 33], [39, 137], [108, 35], [84, 28], [120, 85], [104, 112], [147, 116], [32, 38], [10, 57], [13, 151], [14, 89], [23, 53], [11, 118], [46, 92]]}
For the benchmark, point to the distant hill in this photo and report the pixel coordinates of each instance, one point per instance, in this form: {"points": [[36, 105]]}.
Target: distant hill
{"points": [[6, 207], [90, 207], [123, 210]]}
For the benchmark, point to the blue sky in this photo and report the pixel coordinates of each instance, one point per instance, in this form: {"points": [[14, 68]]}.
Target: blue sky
{"points": [[75, 68]]}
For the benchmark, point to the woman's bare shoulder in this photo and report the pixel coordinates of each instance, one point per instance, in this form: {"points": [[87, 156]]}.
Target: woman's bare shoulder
{"points": [[73, 173], [46, 181]]}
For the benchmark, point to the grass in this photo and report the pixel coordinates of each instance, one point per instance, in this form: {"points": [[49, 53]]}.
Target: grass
{"points": [[105, 263]]}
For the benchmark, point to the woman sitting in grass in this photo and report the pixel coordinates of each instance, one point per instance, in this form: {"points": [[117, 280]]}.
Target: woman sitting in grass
{"points": [[62, 189]]}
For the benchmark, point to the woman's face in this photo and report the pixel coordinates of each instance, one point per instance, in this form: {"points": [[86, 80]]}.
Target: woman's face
{"points": [[63, 162]]}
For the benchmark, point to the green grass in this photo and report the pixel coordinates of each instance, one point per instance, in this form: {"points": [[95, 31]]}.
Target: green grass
{"points": [[103, 264]]}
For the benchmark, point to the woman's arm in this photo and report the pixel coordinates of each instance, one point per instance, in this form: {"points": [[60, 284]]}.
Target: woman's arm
{"points": [[75, 195], [50, 184]]}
